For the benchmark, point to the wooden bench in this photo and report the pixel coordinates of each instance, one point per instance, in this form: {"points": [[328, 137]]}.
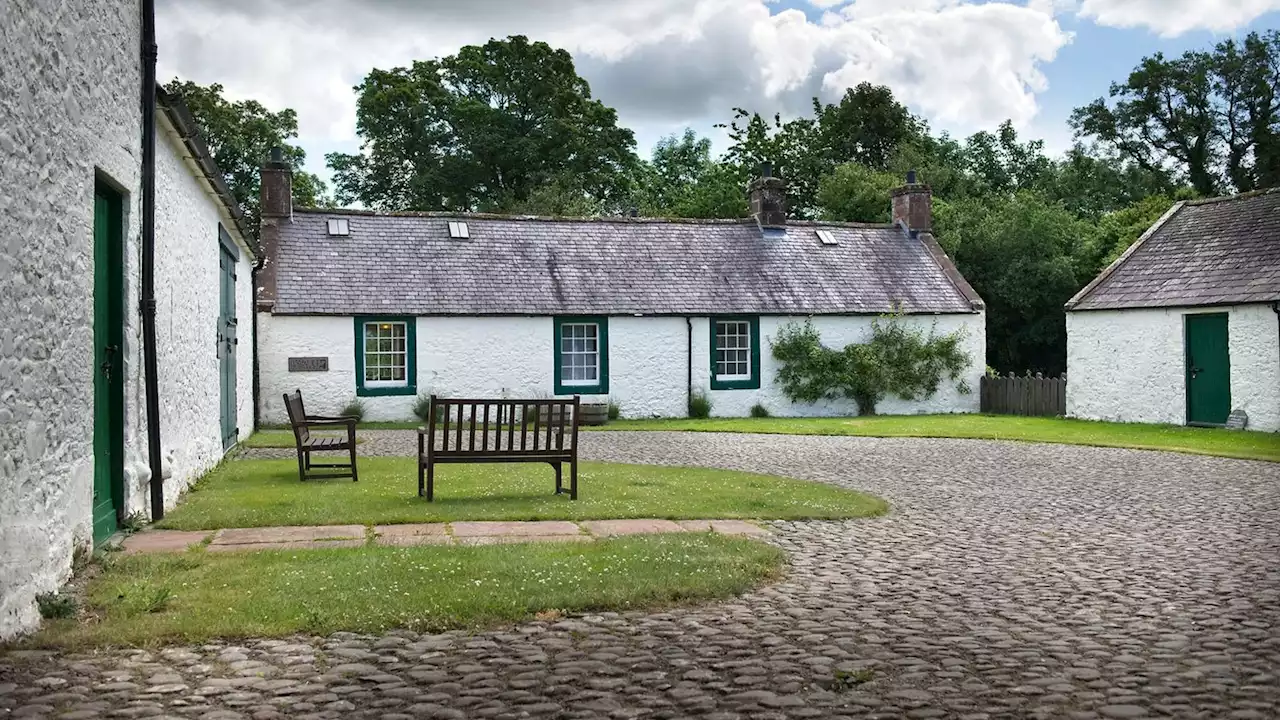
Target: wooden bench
{"points": [[499, 431], [302, 423]]}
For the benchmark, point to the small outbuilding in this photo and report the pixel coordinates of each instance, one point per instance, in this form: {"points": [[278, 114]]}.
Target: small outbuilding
{"points": [[1184, 328]]}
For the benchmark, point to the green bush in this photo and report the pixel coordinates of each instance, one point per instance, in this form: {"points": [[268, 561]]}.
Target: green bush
{"points": [[354, 409], [615, 412], [699, 405], [56, 605], [422, 407], [897, 361], [759, 411]]}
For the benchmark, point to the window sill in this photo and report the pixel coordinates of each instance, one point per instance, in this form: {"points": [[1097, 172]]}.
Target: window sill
{"points": [[748, 384], [386, 391]]}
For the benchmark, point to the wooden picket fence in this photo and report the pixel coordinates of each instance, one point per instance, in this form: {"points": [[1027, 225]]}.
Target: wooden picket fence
{"points": [[1026, 395]]}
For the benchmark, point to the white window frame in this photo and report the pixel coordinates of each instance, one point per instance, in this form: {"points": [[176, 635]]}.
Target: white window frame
{"points": [[744, 348], [566, 354], [404, 354]]}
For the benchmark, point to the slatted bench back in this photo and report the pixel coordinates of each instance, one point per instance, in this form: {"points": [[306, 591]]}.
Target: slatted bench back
{"points": [[297, 416], [492, 429]]}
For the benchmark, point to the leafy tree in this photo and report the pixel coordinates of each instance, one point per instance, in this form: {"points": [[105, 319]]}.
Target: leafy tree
{"points": [[998, 163], [484, 128], [1091, 185], [1213, 116], [793, 147], [240, 136], [856, 193], [1019, 254], [867, 126]]}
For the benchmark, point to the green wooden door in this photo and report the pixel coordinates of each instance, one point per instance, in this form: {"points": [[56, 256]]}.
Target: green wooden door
{"points": [[227, 346], [1208, 369], [108, 370]]}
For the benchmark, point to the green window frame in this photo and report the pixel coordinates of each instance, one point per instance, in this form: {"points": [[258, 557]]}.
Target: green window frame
{"points": [[729, 357], [391, 353], [582, 355]]}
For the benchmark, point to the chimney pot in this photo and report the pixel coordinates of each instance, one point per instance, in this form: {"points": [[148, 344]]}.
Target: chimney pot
{"points": [[913, 205], [277, 154], [766, 169]]}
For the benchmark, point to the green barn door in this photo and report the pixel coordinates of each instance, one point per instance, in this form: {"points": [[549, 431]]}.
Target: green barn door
{"points": [[1208, 370], [108, 371], [227, 345]]}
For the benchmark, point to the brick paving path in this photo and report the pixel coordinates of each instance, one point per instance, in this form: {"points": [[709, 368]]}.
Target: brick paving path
{"points": [[451, 533], [1010, 581]]}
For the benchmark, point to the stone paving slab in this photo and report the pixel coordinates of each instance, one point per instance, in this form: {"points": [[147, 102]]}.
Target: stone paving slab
{"points": [[612, 528], [163, 541], [253, 536], [287, 545], [412, 535], [517, 529], [724, 527], [512, 539]]}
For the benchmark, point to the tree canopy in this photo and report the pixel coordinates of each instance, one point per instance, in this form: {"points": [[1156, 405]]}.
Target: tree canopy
{"points": [[486, 129], [240, 136]]}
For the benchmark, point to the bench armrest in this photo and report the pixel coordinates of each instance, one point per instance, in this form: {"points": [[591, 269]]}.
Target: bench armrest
{"points": [[334, 422], [343, 418]]}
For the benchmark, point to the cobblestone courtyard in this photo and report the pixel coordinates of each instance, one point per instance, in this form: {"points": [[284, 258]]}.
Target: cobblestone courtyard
{"points": [[1009, 581]]}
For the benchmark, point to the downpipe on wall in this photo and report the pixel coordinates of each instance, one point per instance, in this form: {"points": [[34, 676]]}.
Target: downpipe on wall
{"points": [[150, 371], [688, 321]]}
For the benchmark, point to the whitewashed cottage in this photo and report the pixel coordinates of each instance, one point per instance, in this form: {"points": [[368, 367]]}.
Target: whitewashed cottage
{"points": [[1184, 328], [73, 428], [640, 312]]}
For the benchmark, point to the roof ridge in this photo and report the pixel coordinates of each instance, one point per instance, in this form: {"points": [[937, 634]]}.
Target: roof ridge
{"points": [[618, 219], [1238, 196]]}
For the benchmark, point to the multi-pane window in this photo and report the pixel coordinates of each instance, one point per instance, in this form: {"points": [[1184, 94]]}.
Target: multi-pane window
{"points": [[733, 350], [735, 353], [582, 355], [385, 356], [579, 354]]}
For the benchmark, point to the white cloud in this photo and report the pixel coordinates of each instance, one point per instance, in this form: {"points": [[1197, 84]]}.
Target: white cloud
{"points": [[1171, 18], [663, 63]]}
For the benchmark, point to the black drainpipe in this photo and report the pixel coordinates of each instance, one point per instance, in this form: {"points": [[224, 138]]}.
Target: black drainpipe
{"points": [[1275, 306], [688, 321], [150, 373], [257, 414]]}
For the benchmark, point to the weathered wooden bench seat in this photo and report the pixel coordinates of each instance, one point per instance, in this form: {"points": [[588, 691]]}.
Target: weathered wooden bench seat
{"points": [[499, 431], [302, 424]]}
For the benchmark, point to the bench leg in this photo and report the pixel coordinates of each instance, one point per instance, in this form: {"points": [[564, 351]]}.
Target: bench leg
{"points": [[573, 480], [355, 476], [559, 482], [422, 479], [431, 482], [302, 465]]}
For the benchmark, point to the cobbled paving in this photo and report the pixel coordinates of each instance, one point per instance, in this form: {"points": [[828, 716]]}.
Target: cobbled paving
{"points": [[1009, 581]]}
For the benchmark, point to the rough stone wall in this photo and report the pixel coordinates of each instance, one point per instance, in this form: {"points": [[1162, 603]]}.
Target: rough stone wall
{"points": [[1130, 365], [487, 357], [69, 79]]}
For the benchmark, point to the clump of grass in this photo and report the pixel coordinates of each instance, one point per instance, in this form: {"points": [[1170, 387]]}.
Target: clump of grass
{"points": [[134, 522], [615, 411], [56, 605], [759, 411], [699, 405], [422, 407], [845, 680], [355, 409]]}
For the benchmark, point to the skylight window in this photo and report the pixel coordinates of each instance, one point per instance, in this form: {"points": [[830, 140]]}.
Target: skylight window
{"points": [[459, 231], [826, 237], [339, 226]]}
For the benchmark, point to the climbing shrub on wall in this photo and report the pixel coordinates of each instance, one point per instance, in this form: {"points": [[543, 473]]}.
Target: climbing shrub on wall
{"points": [[898, 360]]}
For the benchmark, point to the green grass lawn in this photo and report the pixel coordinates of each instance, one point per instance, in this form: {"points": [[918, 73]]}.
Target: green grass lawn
{"points": [[284, 438], [196, 596], [1174, 438], [259, 493]]}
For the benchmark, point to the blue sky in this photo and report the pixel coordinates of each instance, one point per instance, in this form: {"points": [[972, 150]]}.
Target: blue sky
{"points": [[964, 65]]}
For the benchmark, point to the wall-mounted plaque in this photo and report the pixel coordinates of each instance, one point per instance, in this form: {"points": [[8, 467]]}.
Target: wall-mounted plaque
{"points": [[308, 364]]}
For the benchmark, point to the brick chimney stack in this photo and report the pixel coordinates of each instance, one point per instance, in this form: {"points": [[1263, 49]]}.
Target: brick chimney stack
{"points": [[768, 198], [275, 207], [913, 205]]}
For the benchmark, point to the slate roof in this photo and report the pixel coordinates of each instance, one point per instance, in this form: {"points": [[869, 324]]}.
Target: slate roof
{"points": [[1208, 252], [408, 264]]}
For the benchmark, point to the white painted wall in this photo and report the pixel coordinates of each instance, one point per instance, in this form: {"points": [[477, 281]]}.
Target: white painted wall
{"points": [[69, 79], [1129, 365], [188, 297], [648, 374], [69, 86]]}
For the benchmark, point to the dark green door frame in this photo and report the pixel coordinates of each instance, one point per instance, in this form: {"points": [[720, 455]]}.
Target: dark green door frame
{"points": [[1208, 368], [108, 363], [227, 256]]}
